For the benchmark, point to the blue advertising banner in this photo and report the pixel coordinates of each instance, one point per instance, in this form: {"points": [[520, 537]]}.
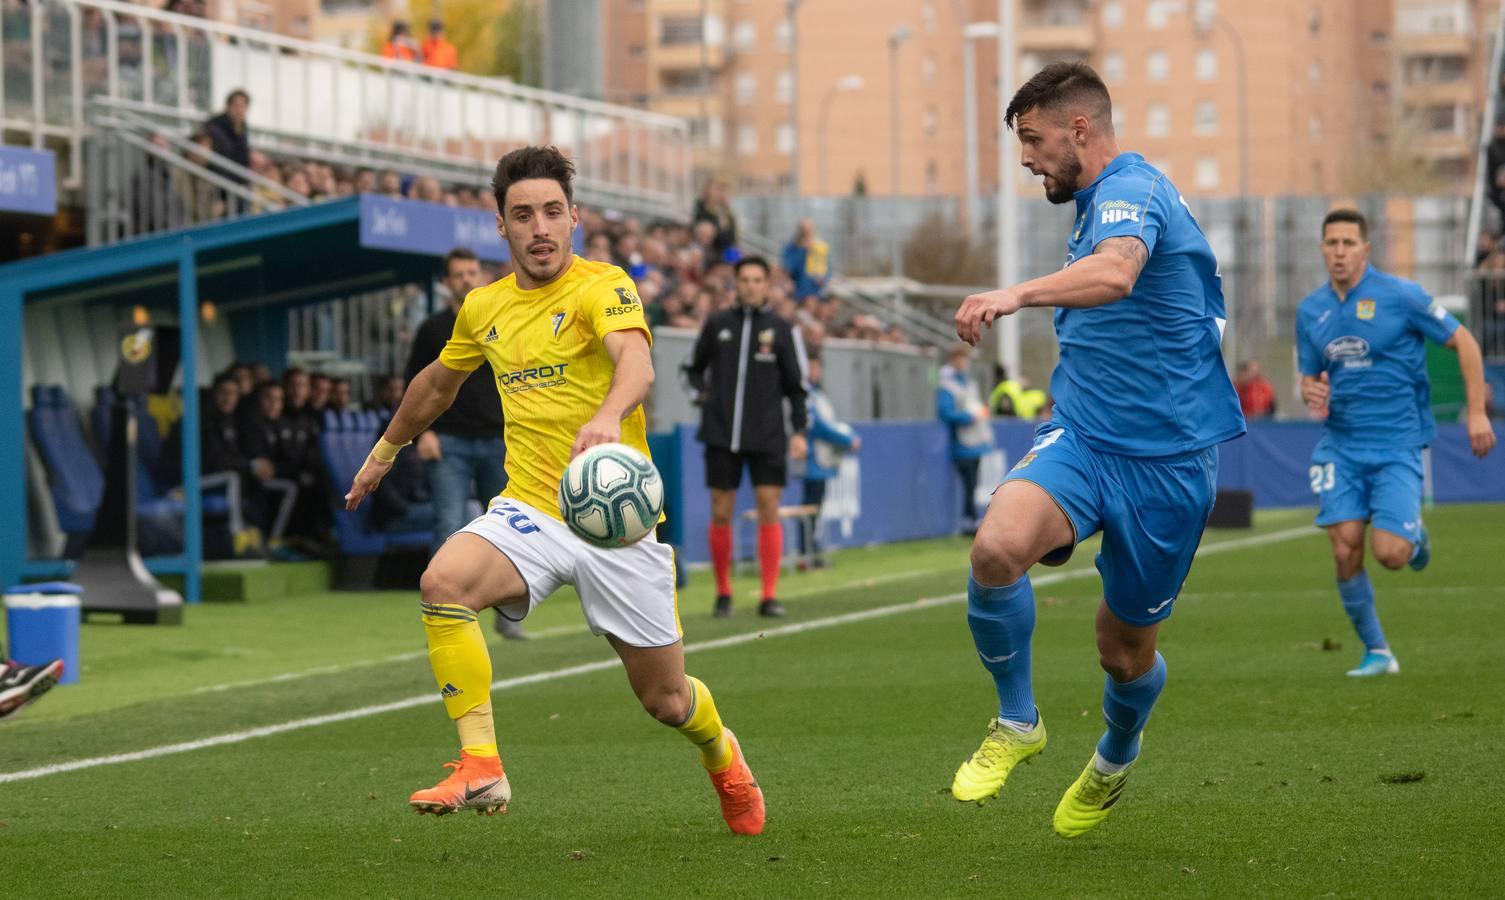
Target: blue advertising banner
{"points": [[28, 181], [411, 226]]}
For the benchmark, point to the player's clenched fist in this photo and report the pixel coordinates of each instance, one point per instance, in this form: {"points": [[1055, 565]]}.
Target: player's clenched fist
{"points": [[1314, 393], [980, 310], [599, 430]]}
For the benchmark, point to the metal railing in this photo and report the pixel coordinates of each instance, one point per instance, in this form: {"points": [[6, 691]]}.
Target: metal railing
{"points": [[58, 55], [142, 180]]}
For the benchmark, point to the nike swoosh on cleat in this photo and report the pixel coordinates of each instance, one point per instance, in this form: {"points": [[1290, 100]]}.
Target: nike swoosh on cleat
{"points": [[998, 659], [472, 793]]}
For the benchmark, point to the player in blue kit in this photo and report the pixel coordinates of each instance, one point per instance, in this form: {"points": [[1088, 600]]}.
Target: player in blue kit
{"points": [[1142, 399], [1361, 342]]}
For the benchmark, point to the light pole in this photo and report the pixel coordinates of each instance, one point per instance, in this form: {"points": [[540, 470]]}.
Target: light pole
{"points": [[1008, 222], [897, 36], [844, 85], [971, 32], [792, 8], [1204, 18]]}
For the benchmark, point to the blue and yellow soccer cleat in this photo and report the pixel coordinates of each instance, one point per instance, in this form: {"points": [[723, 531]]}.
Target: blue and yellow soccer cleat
{"points": [[1423, 552], [1375, 662], [1089, 800], [981, 777]]}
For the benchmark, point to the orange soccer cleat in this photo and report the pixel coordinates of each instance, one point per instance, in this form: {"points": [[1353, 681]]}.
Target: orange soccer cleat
{"points": [[477, 783], [741, 798]]}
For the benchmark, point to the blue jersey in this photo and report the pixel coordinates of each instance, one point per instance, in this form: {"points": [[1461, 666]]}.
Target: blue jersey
{"points": [[1372, 347], [1144, 376]]}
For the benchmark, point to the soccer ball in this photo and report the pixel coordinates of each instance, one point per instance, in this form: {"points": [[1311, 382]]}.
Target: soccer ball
{"points": [[611, 495]]}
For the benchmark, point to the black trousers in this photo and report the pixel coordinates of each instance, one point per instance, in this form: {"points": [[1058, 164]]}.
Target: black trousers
{"points": [[967, 469], [815, 495]]}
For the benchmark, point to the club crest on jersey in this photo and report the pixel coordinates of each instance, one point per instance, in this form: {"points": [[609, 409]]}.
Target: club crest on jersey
{"points": [[491, 336], [1118, 211], [1365, 310], [557, 317], [1024, 460]]}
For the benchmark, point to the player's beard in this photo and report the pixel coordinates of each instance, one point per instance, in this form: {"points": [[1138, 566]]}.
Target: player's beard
{"points": [[1066, 178]]}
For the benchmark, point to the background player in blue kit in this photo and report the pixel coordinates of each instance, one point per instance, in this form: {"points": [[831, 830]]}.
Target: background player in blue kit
{"points": [[1142, 399], [1361, 341]]}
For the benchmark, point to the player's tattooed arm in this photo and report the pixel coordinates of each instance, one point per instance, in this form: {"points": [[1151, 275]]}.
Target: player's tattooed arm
{"points": [[1131, 250]]}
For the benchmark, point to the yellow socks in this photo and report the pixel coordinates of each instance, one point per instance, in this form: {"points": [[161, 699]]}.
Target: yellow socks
{"points": [[703, 727], [462, 669]]}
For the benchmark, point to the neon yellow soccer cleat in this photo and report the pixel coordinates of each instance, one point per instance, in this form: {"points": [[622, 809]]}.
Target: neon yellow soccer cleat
{"points": [[982, 776], [1089, 800]]}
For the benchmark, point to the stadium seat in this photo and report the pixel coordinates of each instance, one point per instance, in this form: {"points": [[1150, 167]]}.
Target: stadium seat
{"points": [[152, 499], [344, 443], [74, 477]]}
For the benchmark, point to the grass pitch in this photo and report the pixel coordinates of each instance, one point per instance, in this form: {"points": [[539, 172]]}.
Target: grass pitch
{"points": [[1267, 772]]}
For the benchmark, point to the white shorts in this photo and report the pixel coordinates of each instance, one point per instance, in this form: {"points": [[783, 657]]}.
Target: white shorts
{"points": [[626, 592]]}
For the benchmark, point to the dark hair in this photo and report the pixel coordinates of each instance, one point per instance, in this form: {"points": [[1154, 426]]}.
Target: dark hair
{"points": [[319, 375], [532, 162], [224, 378], [238, 92], [458, 253], [290, 371], [1347, 215], [1059, 86], [758, 261], [265, 386]]}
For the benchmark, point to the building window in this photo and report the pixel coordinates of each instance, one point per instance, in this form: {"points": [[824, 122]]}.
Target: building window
{"points": [[1118, 120], [677, 30], [929, 121], [927, 68], [637, 51], [1163, 164], [1314, 72], [1157, 66], [782, 36], [706, 132], [745, 88], [745, 36], [1113, 14], [1156, 14], [1314, 127], [1113, 67], [1442, 119], [1207, 64], [927, 18], [682, 82], [1207, 173], [1157, 121], [784, 139], [783, 88], [932, 177], [747, 140], [1207, 117]]}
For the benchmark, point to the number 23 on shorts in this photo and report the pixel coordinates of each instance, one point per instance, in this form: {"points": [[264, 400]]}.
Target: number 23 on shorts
{"points": [[1322, 476]]}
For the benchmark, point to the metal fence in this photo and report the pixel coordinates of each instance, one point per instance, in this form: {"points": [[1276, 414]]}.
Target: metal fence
{"points": [[58, 55]]}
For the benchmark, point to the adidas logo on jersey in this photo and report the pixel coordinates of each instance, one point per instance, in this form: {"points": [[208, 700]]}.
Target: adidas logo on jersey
{"points": [[449, 690], [490, 336]]}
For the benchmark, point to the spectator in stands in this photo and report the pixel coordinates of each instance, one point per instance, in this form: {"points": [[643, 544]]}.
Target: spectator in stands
{"points": [[340, 395], [388, 396], [466, 197], [403, 502], [830, 440], [807, 259], [1014, 397], [400, 44], [267, 441], [427, 189], [390, 184], [296, 180], [437, 50], [1255, 393], [1489, 242], [197, 198], [319, 388], [714, 207], [295, 393], [463, 450], [1494, 154], [958, 403], [303, 463], [365, 181], [228, 133], [220, 444]]}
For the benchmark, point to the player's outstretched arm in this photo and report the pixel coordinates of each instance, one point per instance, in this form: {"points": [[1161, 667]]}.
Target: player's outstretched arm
{"points": [[1107, 275], [429, 394], [631, 378], [1481, 432]]}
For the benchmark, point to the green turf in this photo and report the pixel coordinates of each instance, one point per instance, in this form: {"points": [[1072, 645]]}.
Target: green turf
{"points": [[1264, 775]]}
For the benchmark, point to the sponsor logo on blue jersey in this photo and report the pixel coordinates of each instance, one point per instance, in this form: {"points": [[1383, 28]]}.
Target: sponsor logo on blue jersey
{"points": [[1351, 351]]}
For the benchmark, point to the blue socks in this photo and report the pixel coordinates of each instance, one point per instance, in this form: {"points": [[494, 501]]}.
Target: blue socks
{"points": [[1126, 707], [1002, 620], [1358, 602]]}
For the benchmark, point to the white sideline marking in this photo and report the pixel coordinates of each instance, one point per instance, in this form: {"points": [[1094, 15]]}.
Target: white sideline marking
{"points": [[236, 737]]}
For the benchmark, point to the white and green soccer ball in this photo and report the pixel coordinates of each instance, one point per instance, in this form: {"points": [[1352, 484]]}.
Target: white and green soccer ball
{"points": [[611, 495]]}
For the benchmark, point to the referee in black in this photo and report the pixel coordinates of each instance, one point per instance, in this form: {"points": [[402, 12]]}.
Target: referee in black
{"points": [[746, 363]]}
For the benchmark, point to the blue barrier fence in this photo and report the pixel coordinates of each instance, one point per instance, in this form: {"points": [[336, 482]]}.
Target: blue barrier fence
{"points": [[902, 487]]}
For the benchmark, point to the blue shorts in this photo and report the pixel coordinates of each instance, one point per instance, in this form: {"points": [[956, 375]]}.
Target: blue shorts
{"points": [[1381, 487], [1151, 511]]}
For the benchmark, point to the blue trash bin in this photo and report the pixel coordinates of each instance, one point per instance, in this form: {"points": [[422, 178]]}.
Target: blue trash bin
{"points": [[42, 623]]}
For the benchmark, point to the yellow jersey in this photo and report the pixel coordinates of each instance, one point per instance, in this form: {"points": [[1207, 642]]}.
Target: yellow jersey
{"points": [[552, 369]]}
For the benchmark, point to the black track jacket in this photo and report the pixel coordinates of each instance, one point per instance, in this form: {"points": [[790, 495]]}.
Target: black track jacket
{"points": [[745, 364]]}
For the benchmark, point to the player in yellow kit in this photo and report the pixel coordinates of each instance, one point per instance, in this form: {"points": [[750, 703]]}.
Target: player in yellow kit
{"points": [[569, 345]]}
